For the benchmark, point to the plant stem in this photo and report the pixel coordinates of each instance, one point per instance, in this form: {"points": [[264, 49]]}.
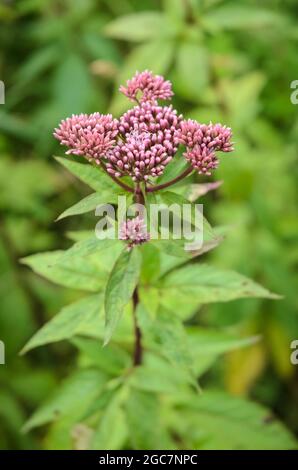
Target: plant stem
{"points": [[169, 183], [138, 351], [138, 195], [114, 178]]}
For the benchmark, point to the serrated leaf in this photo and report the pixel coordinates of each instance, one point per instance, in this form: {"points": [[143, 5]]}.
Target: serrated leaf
{"points": [[112, 360], [203, 283], [169, 198], [93, 177], [79, 389], [173, 343], [69, 272], [168, 337], [90, 246], [142, 411], [173, 248], [220, 421], [74, 319], [158, 376], [207, 344], [120, 287], [150, 298], [206, 341], [177, 248], [89, 203], [150, 262], [111, 432]]}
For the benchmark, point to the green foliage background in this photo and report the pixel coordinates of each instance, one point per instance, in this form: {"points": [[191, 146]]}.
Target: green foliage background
{"points": [[229, 61]]}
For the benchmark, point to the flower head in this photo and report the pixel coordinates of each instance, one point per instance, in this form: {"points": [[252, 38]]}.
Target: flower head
{"points": [[202, 141], [134, 231], [152, 87], [148, 142], [202, 159], [89, 135]]}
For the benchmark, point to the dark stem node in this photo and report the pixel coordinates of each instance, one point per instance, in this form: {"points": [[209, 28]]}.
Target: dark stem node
{"points": [[138, 349]]}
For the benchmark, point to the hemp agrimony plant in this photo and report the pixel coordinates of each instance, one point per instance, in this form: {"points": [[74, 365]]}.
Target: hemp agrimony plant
{"points": [[144, 292]]}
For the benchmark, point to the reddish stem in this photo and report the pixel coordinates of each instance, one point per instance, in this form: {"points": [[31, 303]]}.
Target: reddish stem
{"points": [[114, 178], [138, 351], [169, 183]]}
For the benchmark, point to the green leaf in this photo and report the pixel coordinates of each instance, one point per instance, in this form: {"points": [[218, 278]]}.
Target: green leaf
{"points": [[89, 203], [158, 376], [242, 17], [90, 246], [150, 298], [243, 93], [204, 284], [192, 71], [74, 319], [207, 344], [169, 262], [173, 343], [150, 262], [168, 337], [144, 420], [67, 271], [112, 360], [37, 63], [76, 392], [205, 341], [173, 248], [72, 96], [100, 47], [175, 10], [138, 27], [169, 198], [120, 287], [79, 235], [93, 177], [111, 432], [173, 169], [224, 422]]}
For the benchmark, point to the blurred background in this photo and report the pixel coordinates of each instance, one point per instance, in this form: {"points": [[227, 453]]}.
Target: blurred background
{"points": [[229, 61]]}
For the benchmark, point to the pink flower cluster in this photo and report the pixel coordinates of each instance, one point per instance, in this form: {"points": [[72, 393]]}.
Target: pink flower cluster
{"points": [[89, 135], [202, 141], [134, 231], [152, 88], [148, 142], [144, 140]]}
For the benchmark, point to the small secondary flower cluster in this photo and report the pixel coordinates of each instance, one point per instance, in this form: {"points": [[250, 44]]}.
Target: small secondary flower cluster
{"points": [[134, 231], [145, 139], [202, 141]]}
